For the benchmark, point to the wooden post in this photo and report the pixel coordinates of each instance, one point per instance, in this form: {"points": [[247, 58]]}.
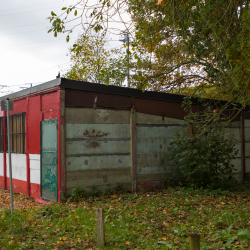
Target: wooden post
{"points": [[100, 226], [194, 241]]}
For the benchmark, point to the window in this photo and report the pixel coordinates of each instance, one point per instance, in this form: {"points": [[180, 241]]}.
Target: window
{"points": [[18, 133]]}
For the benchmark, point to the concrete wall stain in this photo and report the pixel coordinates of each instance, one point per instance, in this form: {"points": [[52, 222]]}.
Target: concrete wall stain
{"points": [[93, 144], [94, 133]]}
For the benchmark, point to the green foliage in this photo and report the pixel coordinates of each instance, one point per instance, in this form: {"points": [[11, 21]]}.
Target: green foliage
{"points": [[209, 40], [150, 220], [93, 62], [197, 48], [95, 192], [244, 236], [118, 189], [204, 158], [78, 193]]}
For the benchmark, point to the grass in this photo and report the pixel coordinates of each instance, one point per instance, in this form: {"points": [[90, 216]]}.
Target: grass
{"points": [[146, 220]]}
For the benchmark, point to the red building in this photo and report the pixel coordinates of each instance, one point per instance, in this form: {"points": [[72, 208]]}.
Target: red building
{"points": [[66, 134]]}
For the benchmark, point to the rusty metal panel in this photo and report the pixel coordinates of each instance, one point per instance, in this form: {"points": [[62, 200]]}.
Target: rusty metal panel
{"points": [[160, 108], [97, 116], [79, 98]]}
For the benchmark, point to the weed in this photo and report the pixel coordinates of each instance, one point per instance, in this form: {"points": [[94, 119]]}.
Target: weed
{"points": [[78, 193], [95, 192]]}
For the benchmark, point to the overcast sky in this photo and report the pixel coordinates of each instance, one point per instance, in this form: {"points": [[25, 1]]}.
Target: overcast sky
{"points": [[28, 54]]}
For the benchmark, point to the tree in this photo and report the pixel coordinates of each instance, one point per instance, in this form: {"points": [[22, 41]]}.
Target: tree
{"points": [[92, 61], [207, 40], [182, 45]]}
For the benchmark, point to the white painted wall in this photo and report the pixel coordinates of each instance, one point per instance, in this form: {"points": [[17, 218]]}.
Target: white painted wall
{"points": [[1, 164], [19, 169], [34, 168]]}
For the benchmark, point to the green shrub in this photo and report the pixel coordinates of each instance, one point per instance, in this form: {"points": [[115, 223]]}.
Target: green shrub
{"points": [[95, 192], [78, 193], [204, 159]]}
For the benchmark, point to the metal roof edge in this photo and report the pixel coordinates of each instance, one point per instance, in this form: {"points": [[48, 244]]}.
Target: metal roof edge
{"points": [[108, 89], [37, 88], [116, 90]]}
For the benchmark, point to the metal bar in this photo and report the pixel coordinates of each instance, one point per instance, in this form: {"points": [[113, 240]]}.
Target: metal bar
{"points": [[27, 149], [24, 134], [4, 154], [12, 145], [9, 156], [20, 129], [59, 146], [40, 158], [16, 132]]}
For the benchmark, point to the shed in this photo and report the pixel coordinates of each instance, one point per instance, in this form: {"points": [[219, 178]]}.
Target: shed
{"points": [[67, 134]]}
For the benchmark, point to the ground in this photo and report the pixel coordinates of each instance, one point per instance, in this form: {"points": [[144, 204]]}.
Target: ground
{"points": [[145, 220]]}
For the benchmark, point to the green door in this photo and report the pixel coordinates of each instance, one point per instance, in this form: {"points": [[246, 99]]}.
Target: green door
{"points": [[49, 160]]}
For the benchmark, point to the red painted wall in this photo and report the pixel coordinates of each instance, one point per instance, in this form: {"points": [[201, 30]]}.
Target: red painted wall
{"points": [[43, 106], [35, 117], [50, 106], [19, 107]]}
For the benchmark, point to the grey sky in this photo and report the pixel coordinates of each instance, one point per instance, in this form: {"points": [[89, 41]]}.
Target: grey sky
{"points": [[28, 54]]}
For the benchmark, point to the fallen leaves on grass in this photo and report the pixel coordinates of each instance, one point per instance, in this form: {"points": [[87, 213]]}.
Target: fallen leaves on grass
{"points": [[149, 220], [20, 201]]}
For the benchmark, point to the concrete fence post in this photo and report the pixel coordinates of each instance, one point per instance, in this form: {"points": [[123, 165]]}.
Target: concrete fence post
{"points": [[100, 226], [133, 148]]}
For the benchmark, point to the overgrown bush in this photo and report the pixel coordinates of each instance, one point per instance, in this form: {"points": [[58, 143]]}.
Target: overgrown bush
{"points": [[204, 158]]}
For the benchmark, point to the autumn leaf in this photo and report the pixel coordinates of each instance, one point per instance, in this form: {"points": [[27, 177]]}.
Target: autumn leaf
{"points": [[160, 3]]}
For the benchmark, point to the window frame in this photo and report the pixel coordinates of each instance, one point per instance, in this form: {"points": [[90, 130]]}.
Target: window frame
{"points": [[17, 133]]}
